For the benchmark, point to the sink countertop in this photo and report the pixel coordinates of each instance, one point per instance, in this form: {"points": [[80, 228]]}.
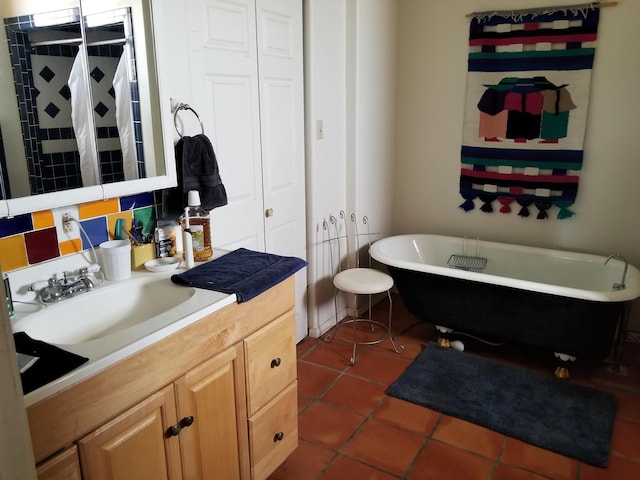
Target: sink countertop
{"points": [[106, 351]]}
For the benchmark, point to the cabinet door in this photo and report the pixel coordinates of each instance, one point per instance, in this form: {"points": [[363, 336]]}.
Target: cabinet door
{"points": [[280, 81], [135, 445], [63, 466], [215, 445], [223, 63]]}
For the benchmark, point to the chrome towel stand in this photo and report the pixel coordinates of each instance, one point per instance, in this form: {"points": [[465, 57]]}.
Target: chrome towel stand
{"points": [[184, 106]]}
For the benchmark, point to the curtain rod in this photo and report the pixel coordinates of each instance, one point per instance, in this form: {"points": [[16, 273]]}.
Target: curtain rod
{"points": [[594, 5]]}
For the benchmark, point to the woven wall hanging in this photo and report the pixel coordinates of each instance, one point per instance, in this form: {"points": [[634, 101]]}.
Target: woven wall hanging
{"points": [[529, 74]]}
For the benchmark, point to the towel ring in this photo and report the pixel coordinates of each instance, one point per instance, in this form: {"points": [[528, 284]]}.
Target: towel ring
{"points": [[184, 106]]}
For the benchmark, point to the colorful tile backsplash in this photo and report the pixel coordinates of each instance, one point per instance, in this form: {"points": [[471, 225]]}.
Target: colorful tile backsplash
{"points": [[29, 239]]}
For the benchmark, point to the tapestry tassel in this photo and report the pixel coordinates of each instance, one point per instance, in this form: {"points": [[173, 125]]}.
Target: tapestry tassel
{"points": [[467, 205], [524, 211], [506, 204], [543, 207], [564, 210], [486, 206]]}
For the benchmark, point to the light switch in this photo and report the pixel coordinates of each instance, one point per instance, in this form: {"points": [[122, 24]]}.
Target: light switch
{"points": [[319, 129]]}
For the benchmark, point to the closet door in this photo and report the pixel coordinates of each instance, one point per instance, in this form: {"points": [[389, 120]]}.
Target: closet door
{"points": [[281, 80], [246, 62], [223, 65]]}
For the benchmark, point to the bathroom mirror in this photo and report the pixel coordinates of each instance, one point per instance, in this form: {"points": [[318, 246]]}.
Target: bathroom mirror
{"points": [[80, 111]]}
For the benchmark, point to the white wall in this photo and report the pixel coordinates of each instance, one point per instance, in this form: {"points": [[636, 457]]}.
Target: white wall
{"points": [[431, 84], [325, 100], [350, 86]]}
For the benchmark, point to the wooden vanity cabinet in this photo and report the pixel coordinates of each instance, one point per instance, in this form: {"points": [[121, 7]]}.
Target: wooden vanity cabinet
{"points": [[62, 466], [187, 430], [197, 425]]}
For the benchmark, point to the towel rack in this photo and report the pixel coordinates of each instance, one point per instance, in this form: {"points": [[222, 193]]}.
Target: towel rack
{"points": [[184, 106]]}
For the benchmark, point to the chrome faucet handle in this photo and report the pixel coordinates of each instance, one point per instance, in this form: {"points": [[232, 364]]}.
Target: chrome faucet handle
{"points": [[622, 285]]}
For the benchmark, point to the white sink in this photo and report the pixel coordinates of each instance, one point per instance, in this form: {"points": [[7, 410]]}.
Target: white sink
{"points": [[106, 310]]}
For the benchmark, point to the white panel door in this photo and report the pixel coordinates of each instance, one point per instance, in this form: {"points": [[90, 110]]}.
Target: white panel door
{"points": [[246, 59], [280, 69], [225, 94]]}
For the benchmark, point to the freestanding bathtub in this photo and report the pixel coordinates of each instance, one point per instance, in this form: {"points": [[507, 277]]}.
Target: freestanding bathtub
{"points": [[568, 303]]}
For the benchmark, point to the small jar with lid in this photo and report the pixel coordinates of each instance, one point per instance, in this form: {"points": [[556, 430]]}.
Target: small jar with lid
{"points": [[200, 226]]}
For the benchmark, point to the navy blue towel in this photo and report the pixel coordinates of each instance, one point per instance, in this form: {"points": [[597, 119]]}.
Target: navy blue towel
{"points": [[197, 169], [244, 272]]}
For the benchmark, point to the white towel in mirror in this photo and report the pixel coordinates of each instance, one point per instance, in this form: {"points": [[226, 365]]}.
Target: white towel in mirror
{"points": [[124, 119], [80, 119]]}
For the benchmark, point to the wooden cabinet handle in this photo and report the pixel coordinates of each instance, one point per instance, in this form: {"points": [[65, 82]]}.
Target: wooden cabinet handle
{"points": [[278, 437], [186, 421], [174, 430], [276, 362]]}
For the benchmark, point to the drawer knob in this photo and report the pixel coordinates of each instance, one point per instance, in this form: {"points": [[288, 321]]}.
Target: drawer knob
{"points": [[278, 437], [276, 362]]}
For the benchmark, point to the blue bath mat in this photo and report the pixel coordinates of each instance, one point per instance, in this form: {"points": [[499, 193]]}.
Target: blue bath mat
{"points": [[569, 419]]}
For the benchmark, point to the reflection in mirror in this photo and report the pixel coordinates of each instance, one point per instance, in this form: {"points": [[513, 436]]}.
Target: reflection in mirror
{"points": [[79, 99], [42, 49], [114, 95]]}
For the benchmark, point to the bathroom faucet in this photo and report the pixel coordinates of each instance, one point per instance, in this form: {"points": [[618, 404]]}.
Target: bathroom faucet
{"points": [[70, 285], [621, 285]]}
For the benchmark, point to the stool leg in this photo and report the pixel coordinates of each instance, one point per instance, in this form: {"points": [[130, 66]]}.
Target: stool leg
{"points": [[396, 348], [355, 338], [328, 337]]}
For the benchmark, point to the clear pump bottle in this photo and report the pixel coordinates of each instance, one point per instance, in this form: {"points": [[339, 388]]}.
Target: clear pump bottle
{"points": [[200, 225]]}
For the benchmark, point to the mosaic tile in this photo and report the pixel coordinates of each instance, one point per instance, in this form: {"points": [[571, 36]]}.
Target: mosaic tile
{"points": [[42, 245], [111, 222], [42, 219], [146, 217], [136, 201], [15, 225], [70, 246], [96, 229], [96, 209], [13, 253]]}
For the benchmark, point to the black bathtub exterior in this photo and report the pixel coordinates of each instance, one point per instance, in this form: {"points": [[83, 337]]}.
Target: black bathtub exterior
{"points": [[577, 327]]}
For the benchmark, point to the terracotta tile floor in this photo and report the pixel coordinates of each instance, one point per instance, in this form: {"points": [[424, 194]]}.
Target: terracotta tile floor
{"points": [[350, 430]]}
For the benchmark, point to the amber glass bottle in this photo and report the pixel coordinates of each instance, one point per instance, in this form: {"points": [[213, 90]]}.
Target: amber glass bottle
{"points": [[200, 223]]}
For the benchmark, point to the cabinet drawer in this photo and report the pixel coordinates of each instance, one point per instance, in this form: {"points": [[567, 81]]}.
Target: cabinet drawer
{"points": [[273, 433], [63, 466], [270, 360]]}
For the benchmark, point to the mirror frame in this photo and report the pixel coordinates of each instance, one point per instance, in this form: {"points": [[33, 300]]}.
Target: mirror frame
{"points": [[46, 201]]}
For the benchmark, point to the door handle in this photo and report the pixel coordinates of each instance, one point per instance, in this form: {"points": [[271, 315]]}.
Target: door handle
{"points": [[268, 212]]}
